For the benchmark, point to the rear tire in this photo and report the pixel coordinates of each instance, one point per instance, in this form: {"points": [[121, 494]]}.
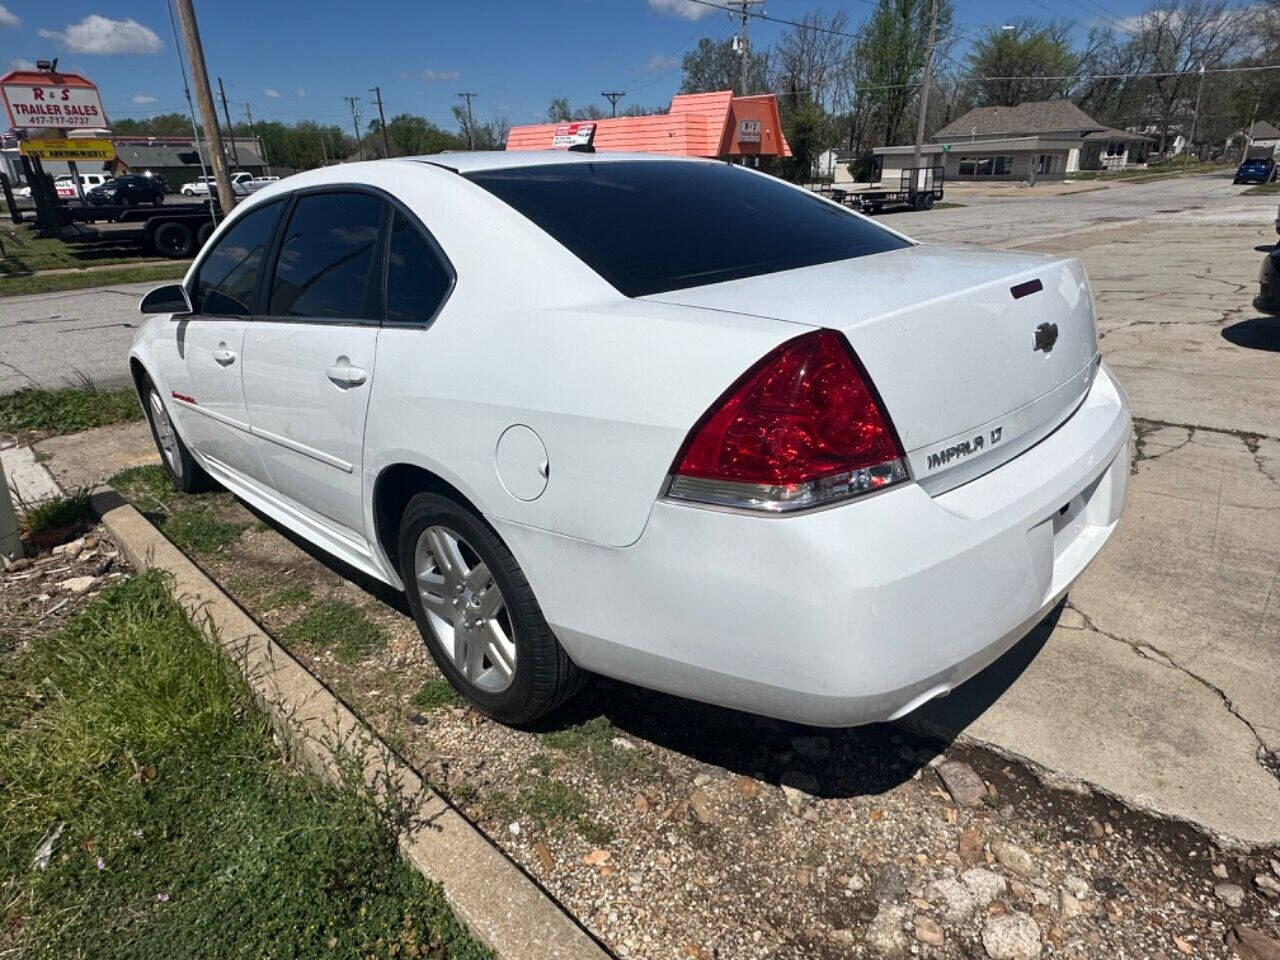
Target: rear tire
{"points": [[184, 473], [203, 235], [928, 202], [174, 240], [478, 616]]}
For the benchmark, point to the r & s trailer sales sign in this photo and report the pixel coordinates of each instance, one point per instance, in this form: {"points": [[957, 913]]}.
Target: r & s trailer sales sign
{"points": [[43, 100]]}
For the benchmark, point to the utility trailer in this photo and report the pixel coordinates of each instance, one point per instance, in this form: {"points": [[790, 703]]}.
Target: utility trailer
{"points": [[177, 231], [918, 188]]}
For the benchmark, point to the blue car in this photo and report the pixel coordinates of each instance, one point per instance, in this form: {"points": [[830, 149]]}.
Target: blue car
{"points": [[1256, 170]]}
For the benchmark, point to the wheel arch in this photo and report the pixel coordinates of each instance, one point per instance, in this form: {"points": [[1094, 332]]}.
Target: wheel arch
{"points": [[397, 484]]}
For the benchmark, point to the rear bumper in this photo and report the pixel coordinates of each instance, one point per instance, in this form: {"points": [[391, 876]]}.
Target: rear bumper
{"points": [[848, 615]]}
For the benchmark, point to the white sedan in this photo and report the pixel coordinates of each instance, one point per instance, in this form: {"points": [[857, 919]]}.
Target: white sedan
{"points": [[672, 421]]}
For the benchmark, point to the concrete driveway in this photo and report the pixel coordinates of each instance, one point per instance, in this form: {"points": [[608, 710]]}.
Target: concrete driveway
{"points": [[1159, 682]]}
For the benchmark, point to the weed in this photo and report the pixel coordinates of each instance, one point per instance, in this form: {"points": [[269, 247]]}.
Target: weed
{"points": [[136, 483], [435, 693], [64, 512], [36, 411], [542, 763], [548, 803], [596, 739], [338, 625], [184, 832]]}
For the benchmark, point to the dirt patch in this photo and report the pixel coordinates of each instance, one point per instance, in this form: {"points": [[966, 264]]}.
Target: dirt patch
{"points": [[674, 829]]}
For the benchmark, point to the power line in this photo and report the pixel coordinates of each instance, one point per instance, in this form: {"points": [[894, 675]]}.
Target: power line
{"points": [[772, 19]]}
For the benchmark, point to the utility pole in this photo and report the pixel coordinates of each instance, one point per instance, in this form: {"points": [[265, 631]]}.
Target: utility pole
{"points": [[386, 141], [355, 122], [1195, 118], [925, 83], [262, 147], [471, 124], [231, 132], [744, 47], [613, 96], [204, 95]]}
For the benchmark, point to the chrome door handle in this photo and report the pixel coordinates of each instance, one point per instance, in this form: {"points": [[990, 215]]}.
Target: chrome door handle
{"points": [[224, 356], [345, 375]]}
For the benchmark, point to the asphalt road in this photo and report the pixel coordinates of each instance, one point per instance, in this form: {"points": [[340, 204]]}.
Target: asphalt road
{"points": [[55, 339]]}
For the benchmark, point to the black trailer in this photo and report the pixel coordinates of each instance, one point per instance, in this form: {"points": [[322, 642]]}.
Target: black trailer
{"points": [[176, 230], [918, 188]]}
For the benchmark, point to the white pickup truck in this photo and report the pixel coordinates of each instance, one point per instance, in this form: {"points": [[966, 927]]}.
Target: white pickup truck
{"points": [[199, 187]]}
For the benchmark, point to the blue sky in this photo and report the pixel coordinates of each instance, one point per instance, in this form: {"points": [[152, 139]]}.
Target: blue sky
{"points": [[294, 60]]}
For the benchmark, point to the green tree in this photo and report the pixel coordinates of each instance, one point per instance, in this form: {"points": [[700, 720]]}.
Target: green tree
{"points": [[892, 48], [558, 111], [715, 65], [808, 131], [1001, 59]]}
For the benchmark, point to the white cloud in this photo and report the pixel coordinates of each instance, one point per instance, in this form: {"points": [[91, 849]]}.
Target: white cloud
{"points": [[8, 18], [659, 61], [300, 93], [273, 94], [440, 74], [22, 65], [95, 34], [681, 8], [143, 98]]}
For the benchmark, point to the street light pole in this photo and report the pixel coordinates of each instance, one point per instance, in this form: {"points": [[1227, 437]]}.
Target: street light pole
{"points": [[204, 96]]}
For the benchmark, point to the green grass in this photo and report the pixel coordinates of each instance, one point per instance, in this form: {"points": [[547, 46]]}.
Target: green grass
{"points": [[339, 626], [192, 522], [291, 596], [52, 413], [435, 693], [57, 513], [1262, 189], [594, 740], [26, 253], [184, 831], [13, 286]]}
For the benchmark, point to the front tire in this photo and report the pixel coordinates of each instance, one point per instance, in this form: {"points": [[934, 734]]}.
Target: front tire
{"points": [[184, 473], [478, 616]]}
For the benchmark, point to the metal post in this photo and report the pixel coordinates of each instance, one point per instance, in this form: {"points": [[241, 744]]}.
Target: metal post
{"points": [[208, 112], [262, 146], [10, 542]]}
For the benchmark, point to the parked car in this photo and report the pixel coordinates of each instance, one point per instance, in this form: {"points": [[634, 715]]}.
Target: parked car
{"points": [[201, 186], [1256, 170], [257, 183], [127, 191], [65, 185], [668, 420], [1268, 298]]}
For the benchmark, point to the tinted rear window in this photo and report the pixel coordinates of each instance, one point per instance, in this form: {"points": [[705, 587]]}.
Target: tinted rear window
{"points": [[651, 226]]}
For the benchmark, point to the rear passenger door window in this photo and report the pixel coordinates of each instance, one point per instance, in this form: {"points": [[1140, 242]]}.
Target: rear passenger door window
{"points": [[227, 279], [327, 268], [418, 280]]}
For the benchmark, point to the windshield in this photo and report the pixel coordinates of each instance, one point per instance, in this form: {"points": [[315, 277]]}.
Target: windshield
{"points": [[650, 226]]}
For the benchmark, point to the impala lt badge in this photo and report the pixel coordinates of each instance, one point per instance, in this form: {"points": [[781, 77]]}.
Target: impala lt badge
{"points": [[1046, 336]]}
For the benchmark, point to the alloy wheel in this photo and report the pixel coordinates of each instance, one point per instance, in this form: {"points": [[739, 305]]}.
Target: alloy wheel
{"points": [[466, 608], [165, 437]]}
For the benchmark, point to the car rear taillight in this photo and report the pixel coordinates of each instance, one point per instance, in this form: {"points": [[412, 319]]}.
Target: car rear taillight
{"points": [[801, 428]]}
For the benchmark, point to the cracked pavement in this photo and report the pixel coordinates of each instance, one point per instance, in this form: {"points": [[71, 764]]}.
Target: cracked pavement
{"points": [[1159, 680]]}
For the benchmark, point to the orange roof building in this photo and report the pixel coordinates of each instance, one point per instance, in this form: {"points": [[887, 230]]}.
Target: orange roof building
{"points": [[698, 125]]}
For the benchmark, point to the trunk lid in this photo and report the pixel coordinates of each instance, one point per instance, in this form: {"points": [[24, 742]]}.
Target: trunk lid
{"points": [[977, 354]]}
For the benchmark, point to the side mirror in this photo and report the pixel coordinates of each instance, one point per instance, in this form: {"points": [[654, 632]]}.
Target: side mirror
{"points": [[171, 298]]}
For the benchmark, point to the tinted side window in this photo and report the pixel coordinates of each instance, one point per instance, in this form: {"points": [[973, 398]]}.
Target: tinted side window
{"points": [[417, 281], [229, 274], [325, 269]]}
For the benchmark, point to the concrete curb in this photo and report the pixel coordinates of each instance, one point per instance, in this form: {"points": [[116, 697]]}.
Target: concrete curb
{"points": [[497, 902]]}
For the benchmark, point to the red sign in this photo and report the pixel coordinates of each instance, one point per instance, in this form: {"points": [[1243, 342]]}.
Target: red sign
{"points": [[45, 100]]}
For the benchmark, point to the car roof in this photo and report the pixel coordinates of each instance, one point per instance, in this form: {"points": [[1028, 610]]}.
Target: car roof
{"points": [[469, 161]]}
